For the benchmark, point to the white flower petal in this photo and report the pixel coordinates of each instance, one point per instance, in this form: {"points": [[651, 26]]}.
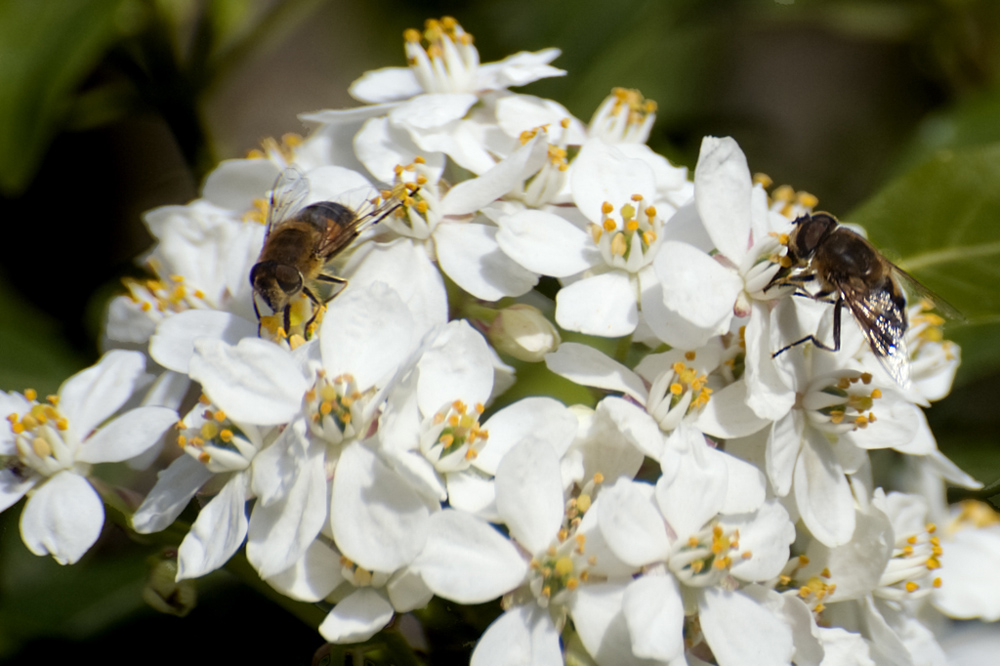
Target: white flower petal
{"points": [[254, 382], [655, 615], [585, 365], [520, 113], [636, 424], [217, 533], [822, 493], [468, 561], [696, 286], [387, 84], [469, 255], [602, 173], [381, 147], [280, 532], [315, 575], [13, 487], [94, 394], [367, 333], [546, 243], [765, 537], [518, 69], [175, 486], [431, 110], [404, 266], [602, 305], [522, 635], [128, 435], [358, 617], [378, 521], [631, 524], [541, 417], [969, 589], [470, 195], [234, 184], [742, 632], [529, 494], [697, 490], [727, 415], [458, 365], [601, 625], [63, 517], [173, 343], [722, 192]]}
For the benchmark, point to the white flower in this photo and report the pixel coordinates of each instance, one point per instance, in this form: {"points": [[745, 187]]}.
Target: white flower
{"points": [[697, 551], [606, 261], [450, 64], [51, 447]]}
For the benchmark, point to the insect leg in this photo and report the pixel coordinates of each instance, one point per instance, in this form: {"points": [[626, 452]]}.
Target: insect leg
{"points": [[256, 311], [814, 340]]}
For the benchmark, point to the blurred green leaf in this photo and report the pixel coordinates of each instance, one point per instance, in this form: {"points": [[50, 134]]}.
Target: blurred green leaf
{"points": [[941, 222], [972, 122], [32, 353], [46, 50]]}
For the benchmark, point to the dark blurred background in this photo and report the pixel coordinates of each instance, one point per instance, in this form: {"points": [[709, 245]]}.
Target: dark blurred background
{"points": [[111, 107]]}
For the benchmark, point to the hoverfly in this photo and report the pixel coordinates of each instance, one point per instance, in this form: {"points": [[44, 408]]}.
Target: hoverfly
{"points": [[850, 271], [301, 241]]}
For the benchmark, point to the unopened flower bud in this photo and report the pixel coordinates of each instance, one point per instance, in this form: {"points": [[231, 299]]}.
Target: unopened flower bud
{"points": [[523, 332], [165, 594]]}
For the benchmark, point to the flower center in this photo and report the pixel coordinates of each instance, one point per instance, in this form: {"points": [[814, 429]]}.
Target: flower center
{"points": [[453, 438], [627, 241], [442, 57], [38, 437], [705, 557], [336, 407], [844, 406], [217, 442], [909, 571], [677, 392], [625, 116]]}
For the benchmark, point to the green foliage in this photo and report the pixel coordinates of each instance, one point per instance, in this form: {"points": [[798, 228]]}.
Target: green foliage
{"points": [[941, 222], [46, 50], [32, 352]]}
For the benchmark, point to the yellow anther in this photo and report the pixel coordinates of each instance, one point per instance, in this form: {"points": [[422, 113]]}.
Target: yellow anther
{"points": [[598, 477], [609, 225], [911, 586], [607, 208], [446, 440], [763, 180], [31, 394], [807, 200], [936, 582]]}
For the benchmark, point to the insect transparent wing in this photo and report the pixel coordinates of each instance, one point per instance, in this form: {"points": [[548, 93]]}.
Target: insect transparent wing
{"points": [[287, 196], [916, 288], [883, 322]]}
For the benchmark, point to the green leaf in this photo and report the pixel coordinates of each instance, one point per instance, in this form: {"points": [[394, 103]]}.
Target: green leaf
{"points": [[46, 50], [32, 353], [940, 221]]}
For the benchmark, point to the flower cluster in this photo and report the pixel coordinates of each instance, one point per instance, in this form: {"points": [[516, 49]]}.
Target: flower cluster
{"points": [[715, 502]]}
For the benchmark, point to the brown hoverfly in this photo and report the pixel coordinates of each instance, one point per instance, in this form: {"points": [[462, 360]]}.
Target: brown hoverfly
{"points": [[301, 241], [848, 270]]}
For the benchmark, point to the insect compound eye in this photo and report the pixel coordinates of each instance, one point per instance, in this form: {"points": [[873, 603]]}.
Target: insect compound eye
{"points": [[288, 278], [810, 232]]}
